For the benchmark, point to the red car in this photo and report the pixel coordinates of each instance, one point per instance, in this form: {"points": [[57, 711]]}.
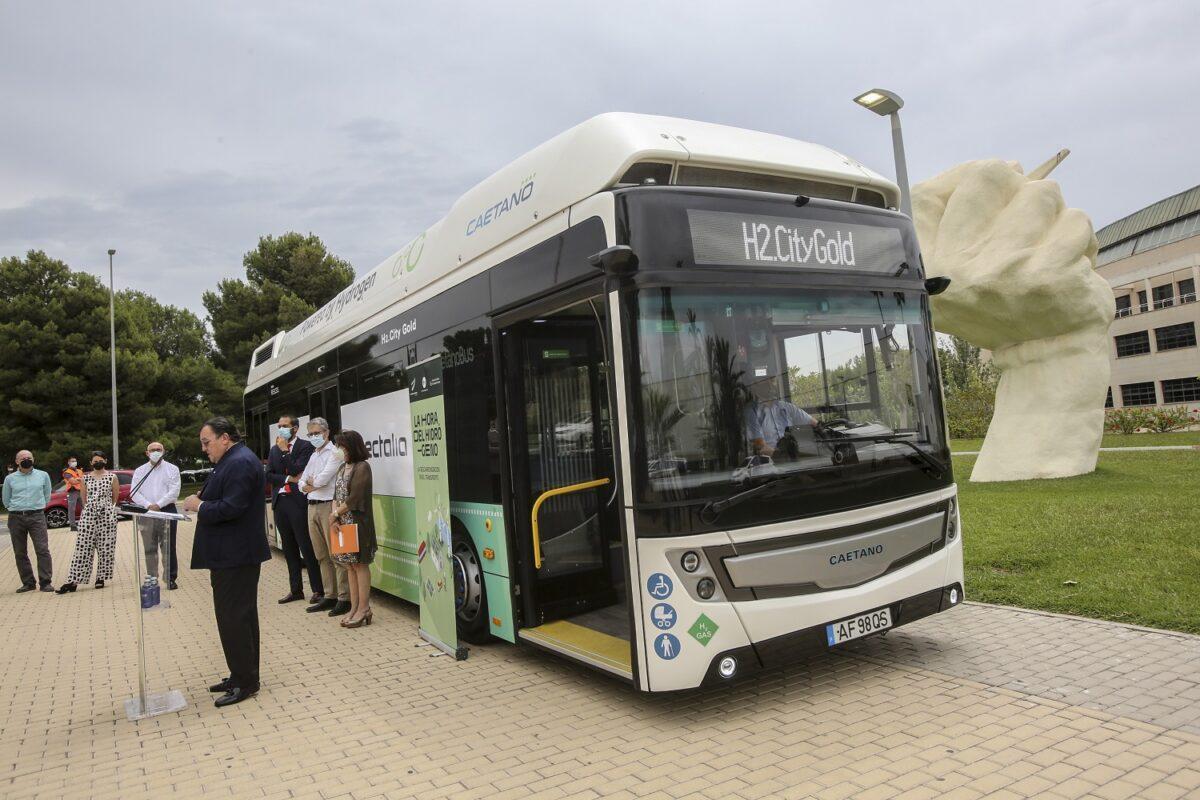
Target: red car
{"points": [[56, 509]]}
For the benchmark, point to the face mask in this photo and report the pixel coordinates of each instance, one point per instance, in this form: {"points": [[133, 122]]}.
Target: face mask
{"points": [[285, 433], [26, 463], [99, 464], [316, 439], [342, 454], [72, 463], [155, 456]]}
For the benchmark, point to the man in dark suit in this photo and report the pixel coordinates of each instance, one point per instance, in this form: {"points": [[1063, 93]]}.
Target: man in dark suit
{"points": [[231, 542], [285, 465]]}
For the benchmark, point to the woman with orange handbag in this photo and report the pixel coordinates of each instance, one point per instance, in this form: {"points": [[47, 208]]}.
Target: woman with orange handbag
{"points": [[352, 507]]}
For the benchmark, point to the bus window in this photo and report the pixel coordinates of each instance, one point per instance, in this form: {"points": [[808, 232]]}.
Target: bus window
{"points": [[323, 402]]}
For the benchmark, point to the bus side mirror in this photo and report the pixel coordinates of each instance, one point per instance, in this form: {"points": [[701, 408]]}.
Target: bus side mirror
{"points": [[619, 260], [936, 285]]}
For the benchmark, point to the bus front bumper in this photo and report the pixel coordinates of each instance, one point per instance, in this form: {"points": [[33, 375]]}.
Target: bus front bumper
{"points": [[798, 645]]}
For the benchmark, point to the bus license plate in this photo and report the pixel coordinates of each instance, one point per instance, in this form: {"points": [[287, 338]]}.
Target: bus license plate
{"points": [[863, 624]]}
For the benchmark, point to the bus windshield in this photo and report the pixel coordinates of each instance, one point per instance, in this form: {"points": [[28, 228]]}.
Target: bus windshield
{"points": [[833, 390]]}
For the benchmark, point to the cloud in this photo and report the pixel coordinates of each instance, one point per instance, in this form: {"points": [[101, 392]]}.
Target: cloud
{"points": [[179, 133]]}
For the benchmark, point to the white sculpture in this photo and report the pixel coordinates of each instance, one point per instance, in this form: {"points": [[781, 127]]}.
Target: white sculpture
{"points": [[1023, 285]]}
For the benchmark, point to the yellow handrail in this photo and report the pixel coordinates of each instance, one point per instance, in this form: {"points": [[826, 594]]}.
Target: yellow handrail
{"points": [[537, 504]]}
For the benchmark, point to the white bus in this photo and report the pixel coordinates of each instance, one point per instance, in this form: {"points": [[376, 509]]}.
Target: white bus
{"points": [[694, 419]]}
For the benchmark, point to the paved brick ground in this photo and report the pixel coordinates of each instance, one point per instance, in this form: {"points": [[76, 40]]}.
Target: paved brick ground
{"points": [[1153, 676], [932, 711]]}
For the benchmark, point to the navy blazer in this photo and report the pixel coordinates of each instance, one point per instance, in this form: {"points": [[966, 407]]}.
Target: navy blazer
{"points": [[280, 465], [231, 526]]}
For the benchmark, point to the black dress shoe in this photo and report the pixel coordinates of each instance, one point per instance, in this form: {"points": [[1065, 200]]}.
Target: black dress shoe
{"points": [[235, 695], [339, 608], [291, 597], [323, 605], [172, 585], [222, 685], [316, 598], [99, 584], [46, 588], [26, 589], [66, 587]]}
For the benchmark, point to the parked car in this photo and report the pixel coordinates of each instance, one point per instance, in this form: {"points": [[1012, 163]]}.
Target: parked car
{"points": [[56, 509], [754, 467], [194, 475]]}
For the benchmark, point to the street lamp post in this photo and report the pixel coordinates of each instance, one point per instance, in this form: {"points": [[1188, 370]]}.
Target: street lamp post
{"points": [[888, 104], [112, 349]]}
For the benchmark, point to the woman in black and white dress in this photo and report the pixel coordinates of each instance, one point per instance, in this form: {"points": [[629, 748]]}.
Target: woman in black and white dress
{"points": [[97, 527]]}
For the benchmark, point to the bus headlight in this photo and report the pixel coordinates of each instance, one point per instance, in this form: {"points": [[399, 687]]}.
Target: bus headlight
{"points": [[690, 561], [727, 666], [706, 588]]}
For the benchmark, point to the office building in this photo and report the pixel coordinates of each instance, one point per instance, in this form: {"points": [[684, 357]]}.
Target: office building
{"points": [[1151, 259]]}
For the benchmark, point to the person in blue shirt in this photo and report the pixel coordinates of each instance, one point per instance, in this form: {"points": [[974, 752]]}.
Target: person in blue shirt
{"points": [[767, 417], [26, 495]]}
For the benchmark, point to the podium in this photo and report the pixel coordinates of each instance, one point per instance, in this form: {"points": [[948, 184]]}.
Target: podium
{"points": [[152, 560]]}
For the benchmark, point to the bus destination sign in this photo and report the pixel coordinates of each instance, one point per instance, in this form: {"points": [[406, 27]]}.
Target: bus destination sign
{"points": [[724, 237]]}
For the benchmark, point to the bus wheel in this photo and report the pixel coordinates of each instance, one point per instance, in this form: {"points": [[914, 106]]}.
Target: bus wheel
{"points": [[470, 594]]}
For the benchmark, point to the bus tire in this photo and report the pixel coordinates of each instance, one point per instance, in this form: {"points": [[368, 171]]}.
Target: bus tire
{"points": [[470, 591]]}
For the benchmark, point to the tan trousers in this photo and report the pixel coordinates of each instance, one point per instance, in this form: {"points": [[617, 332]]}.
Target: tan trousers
{"points": [[333, 574]]}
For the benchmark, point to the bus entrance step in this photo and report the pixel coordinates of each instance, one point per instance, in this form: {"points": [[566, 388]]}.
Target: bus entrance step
{"points": [[592, 647]]}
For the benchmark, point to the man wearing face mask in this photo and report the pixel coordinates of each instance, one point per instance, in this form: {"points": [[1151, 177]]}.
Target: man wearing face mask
{"points": [[26, 493], [289, 456], [156, 488], [317, 485], [73, 479]]}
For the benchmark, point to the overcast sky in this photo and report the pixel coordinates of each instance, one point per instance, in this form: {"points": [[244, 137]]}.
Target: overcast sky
{"points": [[179, 133]]}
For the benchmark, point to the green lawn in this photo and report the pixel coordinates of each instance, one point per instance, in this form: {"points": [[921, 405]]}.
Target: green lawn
{"points": [[1128, 535], [1110, 440]]}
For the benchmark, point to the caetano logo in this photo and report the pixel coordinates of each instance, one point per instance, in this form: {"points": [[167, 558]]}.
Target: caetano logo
{"points": [[504, 206]]}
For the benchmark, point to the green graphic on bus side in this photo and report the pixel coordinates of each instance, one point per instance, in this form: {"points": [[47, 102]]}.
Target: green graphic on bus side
{"points": [[432, 485], [703, 630]]}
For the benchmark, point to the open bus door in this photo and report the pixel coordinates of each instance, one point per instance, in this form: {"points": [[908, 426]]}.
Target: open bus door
{"points": [[571, 562]]}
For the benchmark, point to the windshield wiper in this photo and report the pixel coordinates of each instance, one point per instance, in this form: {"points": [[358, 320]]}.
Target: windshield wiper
{"points": [[933, 466], [713, 508]]}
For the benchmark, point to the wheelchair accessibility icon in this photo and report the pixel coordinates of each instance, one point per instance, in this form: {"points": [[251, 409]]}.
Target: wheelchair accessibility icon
{"points": [[659, 586]]}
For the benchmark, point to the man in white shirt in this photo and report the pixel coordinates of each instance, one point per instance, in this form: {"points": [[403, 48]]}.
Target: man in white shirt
{"points": [[317, 485], [156, 488]]}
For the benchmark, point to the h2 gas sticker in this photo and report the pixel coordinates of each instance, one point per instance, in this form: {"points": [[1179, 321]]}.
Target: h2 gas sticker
{"points": [[703, 630]]}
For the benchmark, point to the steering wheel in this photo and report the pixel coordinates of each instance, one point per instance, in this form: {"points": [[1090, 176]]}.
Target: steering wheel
{"points": [[786, 449]]}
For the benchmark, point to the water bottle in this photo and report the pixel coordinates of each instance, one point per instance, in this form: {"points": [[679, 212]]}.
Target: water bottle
{"points": [[147, 594]]}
